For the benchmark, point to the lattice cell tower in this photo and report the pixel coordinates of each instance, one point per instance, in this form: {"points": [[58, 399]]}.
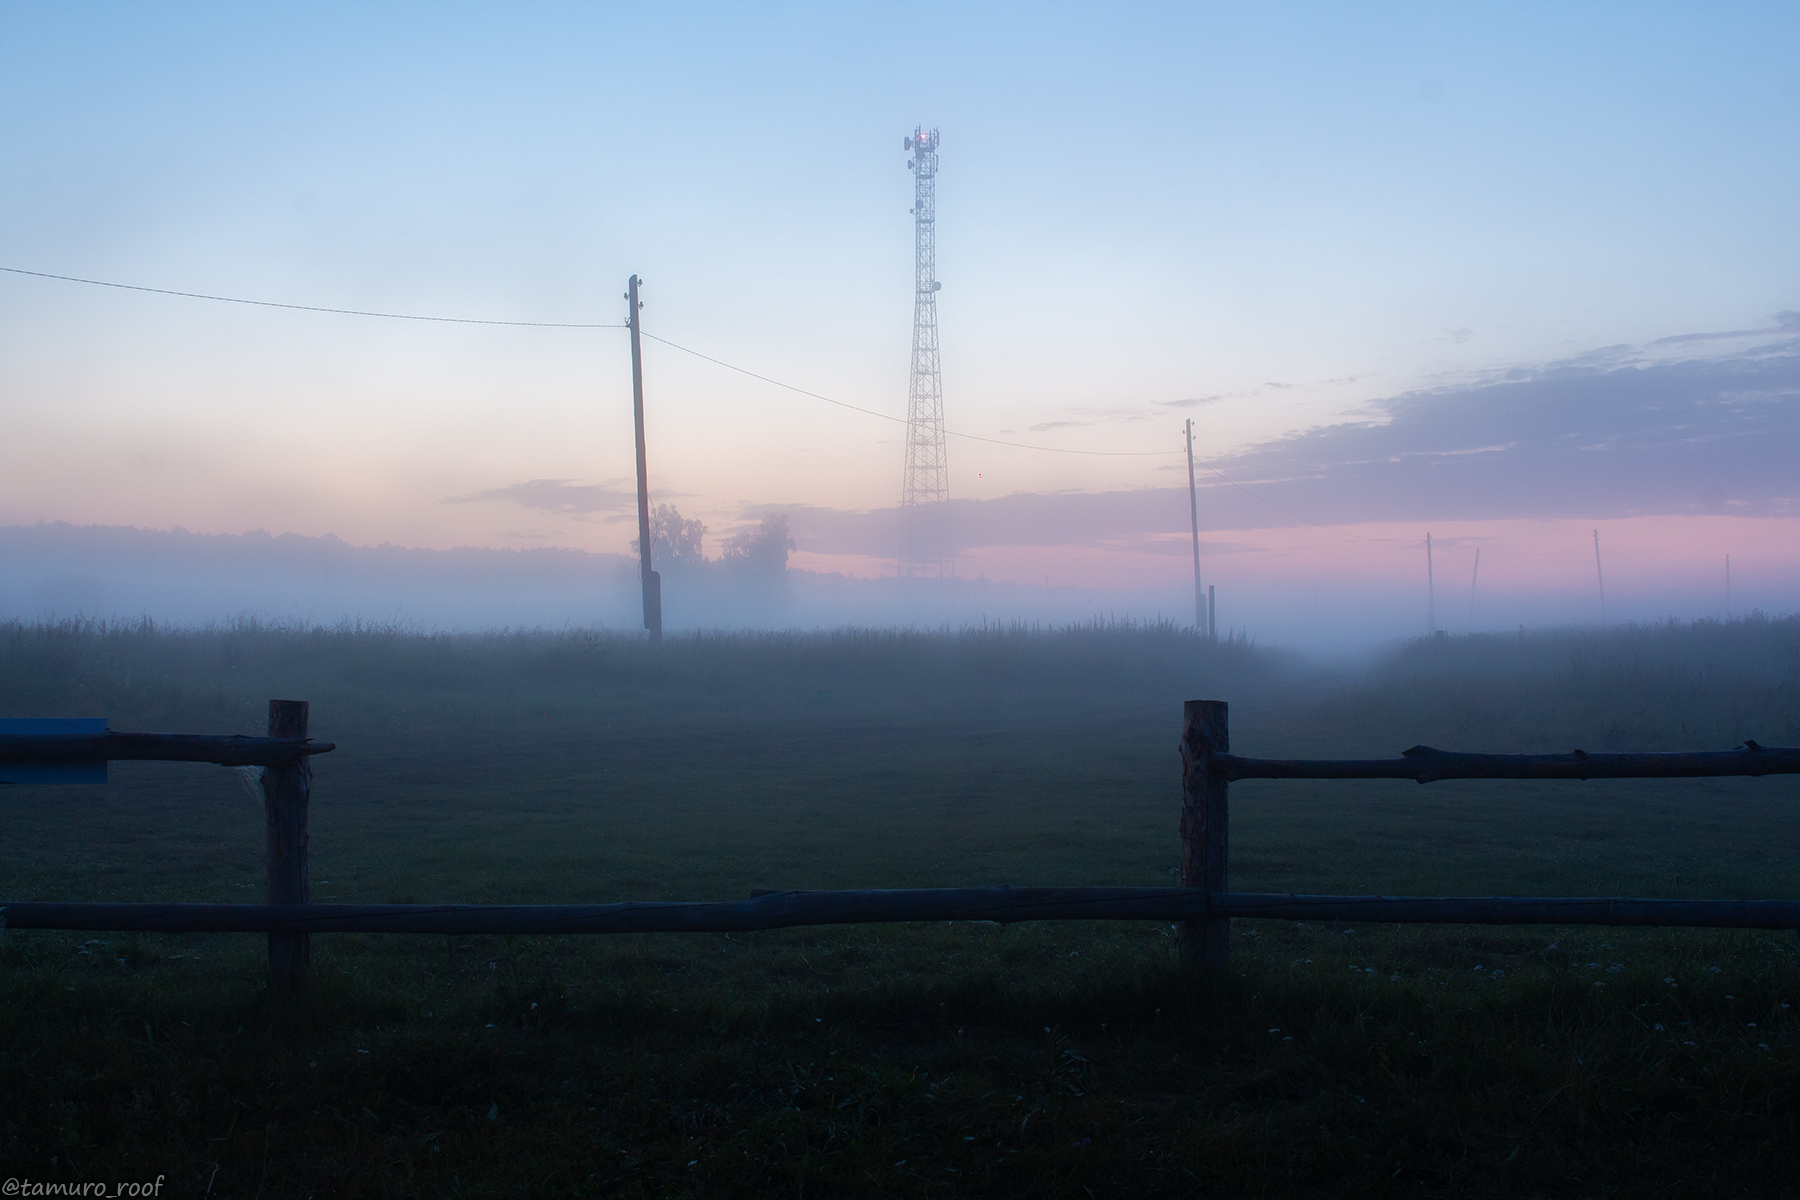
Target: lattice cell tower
{"points": [[924, 522]]}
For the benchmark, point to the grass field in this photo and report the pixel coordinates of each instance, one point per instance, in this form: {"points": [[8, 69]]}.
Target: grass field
{"points": [[908, 1060]]}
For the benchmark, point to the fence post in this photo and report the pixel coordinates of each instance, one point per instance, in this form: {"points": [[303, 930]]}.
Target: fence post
{"points": [[1205, 730], [287, 790]]}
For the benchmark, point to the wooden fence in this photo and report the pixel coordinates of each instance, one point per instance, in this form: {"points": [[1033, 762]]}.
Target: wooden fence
{"points": [[1202, 905]]}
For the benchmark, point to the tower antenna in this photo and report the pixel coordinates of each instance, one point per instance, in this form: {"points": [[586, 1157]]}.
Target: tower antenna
{"points": [[924, 536]]}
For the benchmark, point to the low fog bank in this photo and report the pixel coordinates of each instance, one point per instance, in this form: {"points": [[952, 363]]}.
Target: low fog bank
{"points": [[51, 571], [179, 578]]}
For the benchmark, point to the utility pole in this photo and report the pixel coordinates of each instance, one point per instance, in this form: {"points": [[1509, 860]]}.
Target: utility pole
{"points": [[925, 491], [652, 581], [1728, 587], [1212, 615], [1200, 622], [1474, 578], [1600, 575], [1430, 592]]}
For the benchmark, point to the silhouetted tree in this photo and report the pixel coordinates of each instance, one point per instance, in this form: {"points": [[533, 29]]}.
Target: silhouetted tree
{"points": [[674, 541], [761, 552]]}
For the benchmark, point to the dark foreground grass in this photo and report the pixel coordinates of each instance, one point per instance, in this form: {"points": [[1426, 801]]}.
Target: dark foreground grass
{"points": [[911, 1060], [914, 1061]]}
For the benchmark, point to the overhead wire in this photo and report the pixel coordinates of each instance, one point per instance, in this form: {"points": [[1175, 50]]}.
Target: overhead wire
{"points": [[1022, 445], [1278, 508], [869, 412], [346, 312], [973, 437], [355, 312]]}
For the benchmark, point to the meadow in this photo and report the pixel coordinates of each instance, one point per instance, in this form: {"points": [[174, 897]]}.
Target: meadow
{"points": [[1051, 1059]]}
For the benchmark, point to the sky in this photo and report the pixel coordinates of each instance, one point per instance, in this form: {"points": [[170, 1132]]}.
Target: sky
{"points": [[1506, 274]]}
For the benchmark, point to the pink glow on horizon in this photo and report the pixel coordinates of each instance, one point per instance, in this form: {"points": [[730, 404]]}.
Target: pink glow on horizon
{"points": [[1516, 555]]}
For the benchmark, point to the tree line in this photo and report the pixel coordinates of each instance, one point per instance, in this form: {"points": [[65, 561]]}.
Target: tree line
{"points": [[677, 544]]}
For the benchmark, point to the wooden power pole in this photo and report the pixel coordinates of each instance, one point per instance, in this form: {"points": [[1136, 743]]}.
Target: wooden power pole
{"points": [[652, 581], [1600, 575], [1200, 621], [1430, 592], [1474, 578]]}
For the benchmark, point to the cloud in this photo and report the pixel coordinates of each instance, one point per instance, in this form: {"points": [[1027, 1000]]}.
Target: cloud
{"points": [[1094, 416], [1460, 453], [1195, 402], [556, 496], [1616, 434], [1785, 323], [1610, 433]]}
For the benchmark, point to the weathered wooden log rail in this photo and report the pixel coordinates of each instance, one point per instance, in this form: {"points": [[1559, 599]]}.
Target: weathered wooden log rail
{"points": [[999, 905], [1201, 906], [287, 794], [111, 746], [1426, 765], [1209, 768]]}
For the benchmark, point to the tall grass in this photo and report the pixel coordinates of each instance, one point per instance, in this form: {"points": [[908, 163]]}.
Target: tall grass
{"points": [[913, 1060], [1705, 684], [149, 672]]}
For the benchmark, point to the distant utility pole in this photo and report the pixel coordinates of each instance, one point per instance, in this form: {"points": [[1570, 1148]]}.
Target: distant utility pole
{"points": [[1600, 575], [1212, 615], [1200, 622], [925, 492], [652, 581], [1474, 577], [1728, 587], [1430, 592]]}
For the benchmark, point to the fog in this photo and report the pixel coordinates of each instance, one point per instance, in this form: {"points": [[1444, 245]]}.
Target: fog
{"points": [[178, 578], [1502, 283]]}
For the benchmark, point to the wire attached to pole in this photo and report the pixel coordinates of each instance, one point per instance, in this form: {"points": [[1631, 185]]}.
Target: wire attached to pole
{"points": [[345, 312]]}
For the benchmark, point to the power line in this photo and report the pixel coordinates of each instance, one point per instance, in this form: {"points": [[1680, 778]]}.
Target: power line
{"points": [[868, 412], [973, 437], [1327, 528], [1024, 446], [356, 312], [346, 312]]}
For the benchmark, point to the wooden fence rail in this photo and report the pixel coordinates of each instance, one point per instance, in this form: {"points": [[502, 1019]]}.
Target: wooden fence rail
{"points": [[999, 905], [1208, 769], [236, 751], [287, 793], [1426, 765], [1201, 906]]}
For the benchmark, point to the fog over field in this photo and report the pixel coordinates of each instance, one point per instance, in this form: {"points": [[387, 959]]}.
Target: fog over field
{"points": [[948, 357], [1676, 452], [178, 578], [188, 579], [306, 320]]}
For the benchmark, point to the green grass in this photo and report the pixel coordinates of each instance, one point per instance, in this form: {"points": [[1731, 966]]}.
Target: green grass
{"points": [[908, 1060]]}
